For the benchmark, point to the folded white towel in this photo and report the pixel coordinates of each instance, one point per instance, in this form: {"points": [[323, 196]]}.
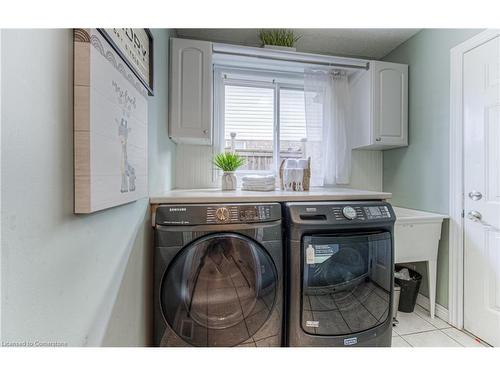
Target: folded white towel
{"points": [[258, 183], [266, 182], [258, 179], [258, 187]]}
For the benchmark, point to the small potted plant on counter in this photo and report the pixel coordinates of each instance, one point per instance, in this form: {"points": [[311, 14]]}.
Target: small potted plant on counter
{"points": [[228, 162], [283, 39]]}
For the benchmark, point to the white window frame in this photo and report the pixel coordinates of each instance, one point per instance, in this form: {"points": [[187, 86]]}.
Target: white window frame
{"points": [[219, 101]]}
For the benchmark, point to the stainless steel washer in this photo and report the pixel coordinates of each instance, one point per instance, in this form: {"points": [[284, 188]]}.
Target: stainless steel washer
{"points": [[341, 264], [218, 275]]}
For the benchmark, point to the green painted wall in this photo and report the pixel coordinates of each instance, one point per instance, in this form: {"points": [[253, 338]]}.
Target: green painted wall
{"points": [[133, 302], [417, 175], [161, 149], [75, 279]]}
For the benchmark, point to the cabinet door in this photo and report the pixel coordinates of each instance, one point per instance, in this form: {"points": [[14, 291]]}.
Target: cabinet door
{"points": [[190, 91], [390, 104]]}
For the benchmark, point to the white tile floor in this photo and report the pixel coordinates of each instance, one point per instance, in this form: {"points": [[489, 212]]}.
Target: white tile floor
{"points": [[417, 329]]}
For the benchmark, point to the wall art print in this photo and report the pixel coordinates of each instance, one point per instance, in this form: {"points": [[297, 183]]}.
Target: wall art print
{"points": [[110, 126], [135, 47]]}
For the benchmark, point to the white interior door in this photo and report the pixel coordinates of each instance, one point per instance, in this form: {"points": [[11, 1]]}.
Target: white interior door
{"points": [[481, 100]]}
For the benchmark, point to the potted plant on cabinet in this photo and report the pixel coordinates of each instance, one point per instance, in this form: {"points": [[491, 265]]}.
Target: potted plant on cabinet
{"points": [[228, 162], [283, 39]]}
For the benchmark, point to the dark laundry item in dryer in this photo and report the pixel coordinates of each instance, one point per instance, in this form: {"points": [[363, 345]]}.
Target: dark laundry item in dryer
{"points": [[339, 268]]}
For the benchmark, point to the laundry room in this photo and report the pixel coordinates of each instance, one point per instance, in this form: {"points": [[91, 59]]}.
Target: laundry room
{"points": [[245, 185]]}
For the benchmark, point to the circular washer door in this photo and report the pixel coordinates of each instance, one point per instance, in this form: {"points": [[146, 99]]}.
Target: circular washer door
{"points": [[219, 290]]}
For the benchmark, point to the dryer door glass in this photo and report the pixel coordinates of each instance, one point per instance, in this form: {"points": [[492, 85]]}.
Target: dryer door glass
{"points": [[347, 282], [219, 290]]}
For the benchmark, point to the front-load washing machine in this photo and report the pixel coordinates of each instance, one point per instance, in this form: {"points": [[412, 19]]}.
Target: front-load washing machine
{"points": [[340, 259], [218, 275]]}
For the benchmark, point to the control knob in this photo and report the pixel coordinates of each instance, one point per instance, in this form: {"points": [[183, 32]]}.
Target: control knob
{"points": [[349, 212], [222, 214]]}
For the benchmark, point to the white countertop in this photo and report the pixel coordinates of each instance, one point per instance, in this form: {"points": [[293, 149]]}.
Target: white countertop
{"points": [[219, 196]]}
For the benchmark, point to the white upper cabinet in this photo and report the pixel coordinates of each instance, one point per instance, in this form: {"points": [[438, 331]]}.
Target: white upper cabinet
{"points": [[191, 91], [379, 106]]}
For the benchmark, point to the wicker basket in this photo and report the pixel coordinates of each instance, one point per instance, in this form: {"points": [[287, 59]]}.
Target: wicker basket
{"points": [[306, 179]]}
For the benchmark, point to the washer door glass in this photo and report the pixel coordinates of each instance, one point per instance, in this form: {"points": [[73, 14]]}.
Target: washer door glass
{"points": [[219, 290], [347, 282]]}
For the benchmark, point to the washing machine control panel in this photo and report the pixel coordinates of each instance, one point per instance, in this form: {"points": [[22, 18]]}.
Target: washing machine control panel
{"points": [[240, 213], [216, 213]]}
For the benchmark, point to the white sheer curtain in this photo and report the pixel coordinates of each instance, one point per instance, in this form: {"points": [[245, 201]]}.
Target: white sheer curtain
{"points": [[327, 118]]}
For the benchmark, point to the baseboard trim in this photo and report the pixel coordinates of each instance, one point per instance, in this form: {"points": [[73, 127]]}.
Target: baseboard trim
{"points": [[441, 311]]}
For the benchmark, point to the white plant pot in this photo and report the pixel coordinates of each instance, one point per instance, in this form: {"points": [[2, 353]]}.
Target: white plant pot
{"points": [[282, 48], [229, 181]]}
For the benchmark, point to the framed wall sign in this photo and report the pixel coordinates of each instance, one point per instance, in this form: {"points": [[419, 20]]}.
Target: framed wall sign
{"points": [[110, 126], [135, 47]]}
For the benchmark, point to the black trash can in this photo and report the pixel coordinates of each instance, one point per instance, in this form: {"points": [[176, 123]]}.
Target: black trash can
{"points": [[409, 290]]}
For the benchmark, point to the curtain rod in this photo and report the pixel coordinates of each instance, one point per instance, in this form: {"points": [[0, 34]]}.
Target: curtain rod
{"points": [[267, 71], [286, 56]]}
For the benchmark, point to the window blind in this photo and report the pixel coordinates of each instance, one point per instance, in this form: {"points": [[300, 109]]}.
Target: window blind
{"points": [[249, 112], [292, 115]]}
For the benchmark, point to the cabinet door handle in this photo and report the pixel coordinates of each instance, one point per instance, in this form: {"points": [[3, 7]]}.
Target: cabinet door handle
{"points": [[205, 131], [378, 139]]}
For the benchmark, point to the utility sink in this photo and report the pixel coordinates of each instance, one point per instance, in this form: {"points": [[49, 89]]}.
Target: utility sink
{"points": [[416, 239], [416, 235]]}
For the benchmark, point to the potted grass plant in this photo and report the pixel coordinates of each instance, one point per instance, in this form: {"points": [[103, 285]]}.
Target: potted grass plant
{"points": [[283, 39], [228, 162]]}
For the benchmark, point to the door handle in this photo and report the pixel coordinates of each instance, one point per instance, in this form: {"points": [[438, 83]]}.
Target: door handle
{"points": [[475, 195], [474, 216]]}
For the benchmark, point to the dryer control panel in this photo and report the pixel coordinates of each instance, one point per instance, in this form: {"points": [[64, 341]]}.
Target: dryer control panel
{"points": [[377, 212], [339, 212], [199, 214]]}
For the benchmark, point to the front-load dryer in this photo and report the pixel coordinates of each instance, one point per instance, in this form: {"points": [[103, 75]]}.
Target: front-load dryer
{"points": [[341, 266], [218, 275]]}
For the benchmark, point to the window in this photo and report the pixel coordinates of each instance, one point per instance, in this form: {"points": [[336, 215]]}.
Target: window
{"points": [[249, 125], [262, 119], [292, 123]]}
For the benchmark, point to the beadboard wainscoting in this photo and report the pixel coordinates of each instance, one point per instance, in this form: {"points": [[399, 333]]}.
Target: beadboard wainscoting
{"points": [[194, 169], [366, 170]]}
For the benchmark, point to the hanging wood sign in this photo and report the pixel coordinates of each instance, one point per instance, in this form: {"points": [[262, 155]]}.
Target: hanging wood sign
{"points": [[110, 126], [135, 47]]}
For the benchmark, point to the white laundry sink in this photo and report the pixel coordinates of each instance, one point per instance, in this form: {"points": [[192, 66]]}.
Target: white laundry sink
{"points": [[416, 235], [416, 239]]}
